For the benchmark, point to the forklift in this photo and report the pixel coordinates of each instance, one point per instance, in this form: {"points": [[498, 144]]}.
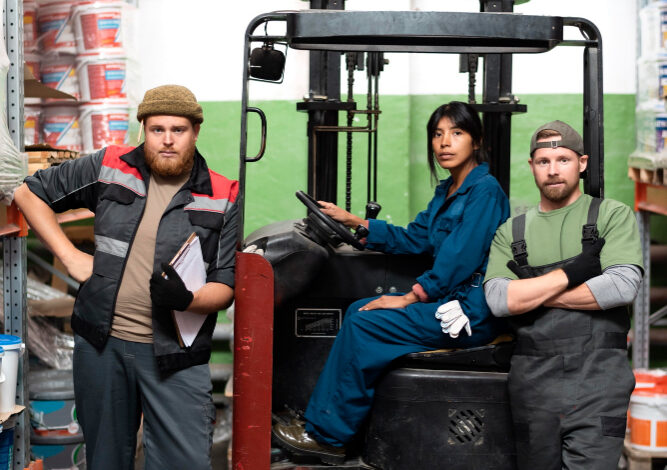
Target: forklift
{"points": [[296, 278]]}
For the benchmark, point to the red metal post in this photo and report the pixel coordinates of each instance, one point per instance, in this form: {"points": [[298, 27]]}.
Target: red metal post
{"points": [[253, 363]]}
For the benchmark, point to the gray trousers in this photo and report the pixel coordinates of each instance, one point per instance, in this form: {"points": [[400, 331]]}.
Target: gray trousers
{"points": [[115, 386], [569, 410]]}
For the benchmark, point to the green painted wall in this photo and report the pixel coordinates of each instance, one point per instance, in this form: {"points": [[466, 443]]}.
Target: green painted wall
{"points": [[403, 186]]}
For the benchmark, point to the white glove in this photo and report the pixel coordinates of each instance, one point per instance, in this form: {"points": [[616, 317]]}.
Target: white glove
{"points": [[253, 249], [452, 319]]}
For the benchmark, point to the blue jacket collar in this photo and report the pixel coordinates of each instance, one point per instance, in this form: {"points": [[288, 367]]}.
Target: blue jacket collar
{"points": [[477, 173]]}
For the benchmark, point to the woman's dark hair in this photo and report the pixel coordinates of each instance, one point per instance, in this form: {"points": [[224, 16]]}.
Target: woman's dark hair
{"points": [[462, 116]]}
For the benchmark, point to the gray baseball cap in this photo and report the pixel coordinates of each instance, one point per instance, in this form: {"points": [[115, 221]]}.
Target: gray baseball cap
{"points": [[570, 138]]}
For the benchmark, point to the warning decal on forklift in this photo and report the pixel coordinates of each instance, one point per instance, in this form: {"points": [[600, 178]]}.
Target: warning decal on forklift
{"points": [[318, 322]]}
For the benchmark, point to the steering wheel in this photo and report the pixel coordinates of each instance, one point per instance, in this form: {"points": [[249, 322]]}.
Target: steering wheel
{"points": [[333, 225]]}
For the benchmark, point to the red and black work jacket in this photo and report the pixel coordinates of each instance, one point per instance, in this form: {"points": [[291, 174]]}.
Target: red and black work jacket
{"points": [[113, 184]]}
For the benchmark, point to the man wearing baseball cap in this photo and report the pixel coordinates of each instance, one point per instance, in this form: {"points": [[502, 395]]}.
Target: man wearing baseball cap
{"points": [[563, 274], [128, 360]]}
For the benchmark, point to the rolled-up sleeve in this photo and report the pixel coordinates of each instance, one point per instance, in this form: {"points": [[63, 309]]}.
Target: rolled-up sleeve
{"points": [[222, 270], [495, 292], [616, 286]]}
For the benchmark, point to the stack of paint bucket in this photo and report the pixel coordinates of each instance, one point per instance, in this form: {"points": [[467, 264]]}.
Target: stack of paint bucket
{"points": [[651, 116], [102, 71], [32, 106], [56, 436], [647, 414], [58, 119], [81, 52]]}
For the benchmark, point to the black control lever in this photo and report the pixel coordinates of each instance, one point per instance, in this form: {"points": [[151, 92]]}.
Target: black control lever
{"points": [[360, 232], [372, 210]]}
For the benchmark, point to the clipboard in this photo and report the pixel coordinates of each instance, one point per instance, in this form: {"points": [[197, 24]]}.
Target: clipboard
{"points": [[188, 262]]}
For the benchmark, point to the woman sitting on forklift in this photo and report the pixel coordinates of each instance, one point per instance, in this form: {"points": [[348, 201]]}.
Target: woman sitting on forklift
{"points": [[446, 307]]}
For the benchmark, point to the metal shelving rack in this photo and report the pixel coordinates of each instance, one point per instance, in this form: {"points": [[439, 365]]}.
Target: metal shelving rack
{"points": [[649, 199], [14, 244]]}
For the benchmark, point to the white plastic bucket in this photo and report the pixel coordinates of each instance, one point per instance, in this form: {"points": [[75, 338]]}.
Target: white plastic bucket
{"points": [[101, 77], [60, 127], [648, 419], [13, 348], [59, 72], [29, 26], [103, 124], [55, 28], [98, 26], [31, 128]]}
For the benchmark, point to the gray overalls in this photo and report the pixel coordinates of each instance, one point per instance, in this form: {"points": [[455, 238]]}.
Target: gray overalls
{"points": [[570, 380]]}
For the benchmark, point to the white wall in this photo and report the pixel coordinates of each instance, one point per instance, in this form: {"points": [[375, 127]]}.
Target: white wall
{"points": [[199, 44]]}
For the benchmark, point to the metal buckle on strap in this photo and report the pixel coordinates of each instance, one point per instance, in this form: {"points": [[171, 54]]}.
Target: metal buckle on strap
{"points": [[519, 248]]}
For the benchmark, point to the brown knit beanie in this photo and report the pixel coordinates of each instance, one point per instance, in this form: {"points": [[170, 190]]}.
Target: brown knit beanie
{"points": [[172, 100]]}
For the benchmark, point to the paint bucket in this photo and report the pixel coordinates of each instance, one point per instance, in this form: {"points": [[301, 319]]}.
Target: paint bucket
{"points": [[651, 125], [59, 73], [97, 26], [31, 126], [104, 123], [29, 26], [648, 418], [59, 452], [653, 26], [13, 348], [650, 378], [101, 77], [651, 81], [55, 28], [52, 407], [60, 126]]}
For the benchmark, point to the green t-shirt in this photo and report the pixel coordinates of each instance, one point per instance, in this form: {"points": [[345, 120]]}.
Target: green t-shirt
{"points": [[556, 235]]}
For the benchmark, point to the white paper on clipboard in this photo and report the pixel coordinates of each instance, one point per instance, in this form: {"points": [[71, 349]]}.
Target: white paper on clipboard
{"points": [[189, 264]]}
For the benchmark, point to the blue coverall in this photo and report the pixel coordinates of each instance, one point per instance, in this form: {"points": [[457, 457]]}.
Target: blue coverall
{"points": [[457, 231]]}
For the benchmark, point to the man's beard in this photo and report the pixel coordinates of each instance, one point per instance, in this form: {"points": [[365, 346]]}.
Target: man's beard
{"points": [[557, 195], [175, 166]]}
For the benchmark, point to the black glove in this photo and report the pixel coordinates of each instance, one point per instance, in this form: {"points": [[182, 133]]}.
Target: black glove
{"points": [[170, 292], [585, 265]]}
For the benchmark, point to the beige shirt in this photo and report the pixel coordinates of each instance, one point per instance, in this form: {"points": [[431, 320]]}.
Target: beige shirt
{"points": [[132, 319]]}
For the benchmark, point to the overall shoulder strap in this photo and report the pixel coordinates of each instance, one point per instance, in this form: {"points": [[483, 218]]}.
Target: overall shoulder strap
{"points": [[519, 251], [590, 230]]}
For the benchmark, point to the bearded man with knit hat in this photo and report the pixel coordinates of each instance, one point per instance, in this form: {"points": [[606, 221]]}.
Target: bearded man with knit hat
{"points": [[127, 358]]}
